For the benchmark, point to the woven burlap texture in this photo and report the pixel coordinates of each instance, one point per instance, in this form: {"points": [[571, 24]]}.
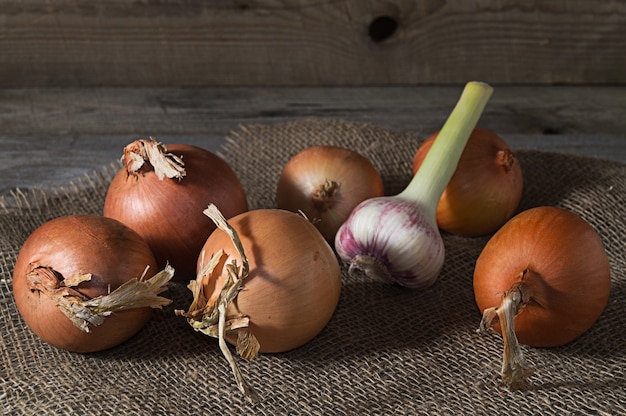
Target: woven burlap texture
{"points": [[386, 351]]}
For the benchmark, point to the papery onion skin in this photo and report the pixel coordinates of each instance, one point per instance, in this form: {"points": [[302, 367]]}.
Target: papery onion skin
{"points": [[168, 213], [485, 190], [568, 274], [294, 283], [326, 183], [110, 251]]}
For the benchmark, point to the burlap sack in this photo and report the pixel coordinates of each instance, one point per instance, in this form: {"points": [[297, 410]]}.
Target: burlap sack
{"points": [[387, 350]]}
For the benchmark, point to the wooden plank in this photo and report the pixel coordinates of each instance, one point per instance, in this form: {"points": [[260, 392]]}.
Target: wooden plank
{"points": [[214, 111], [308, 42], [51, 136], [40, 162]]}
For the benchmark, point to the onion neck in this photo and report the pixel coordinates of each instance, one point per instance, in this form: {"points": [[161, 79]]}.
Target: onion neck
{"points": [[323, 196], [439, 165], [145, 155], [209, 316], [85, 312], [515, 370], [506, 159]]}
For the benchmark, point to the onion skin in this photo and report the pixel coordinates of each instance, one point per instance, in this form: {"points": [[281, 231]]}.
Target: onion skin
{"points": [[326, 183], [485, 190], [168, 213], [110, 251], [294, 282], [560, 260]]}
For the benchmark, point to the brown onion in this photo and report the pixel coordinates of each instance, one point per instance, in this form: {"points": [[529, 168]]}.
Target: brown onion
{"points": [[326, 183], [543, 279], [165, 205], [74, 261], [267, 281], [485, 190], [293, 286]]}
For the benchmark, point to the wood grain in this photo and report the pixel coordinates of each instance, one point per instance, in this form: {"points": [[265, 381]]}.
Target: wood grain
{"points": [[49, 137], [213, 111], [309, 42]]}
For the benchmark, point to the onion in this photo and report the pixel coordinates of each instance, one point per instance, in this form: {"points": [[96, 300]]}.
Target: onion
{"points": [[484, 191], [396, 238], [326, 183], [275, 278], [160, 192], [76, 283], [542, 280]]}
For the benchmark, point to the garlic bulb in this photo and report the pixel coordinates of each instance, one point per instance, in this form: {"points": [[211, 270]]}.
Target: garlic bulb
{"points": [[385, 249], [396, 237]]}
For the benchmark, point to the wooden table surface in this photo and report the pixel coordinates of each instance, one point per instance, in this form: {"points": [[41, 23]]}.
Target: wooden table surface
{"points": [[52, 136]]}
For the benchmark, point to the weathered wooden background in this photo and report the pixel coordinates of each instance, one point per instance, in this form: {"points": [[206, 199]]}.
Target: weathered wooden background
{"points": [[52, 136], [79, 79], [310, 42]]}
